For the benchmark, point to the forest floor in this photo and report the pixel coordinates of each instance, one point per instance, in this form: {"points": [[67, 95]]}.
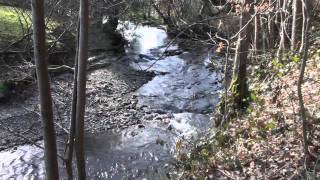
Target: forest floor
{"points": [[265, 142]]}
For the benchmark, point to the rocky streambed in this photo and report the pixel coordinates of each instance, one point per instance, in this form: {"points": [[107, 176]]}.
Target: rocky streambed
{"points": [[139, 107]]}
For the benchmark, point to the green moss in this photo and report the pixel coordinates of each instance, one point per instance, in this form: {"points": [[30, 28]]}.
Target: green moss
{"points": [[12, 22], [16, 22]]}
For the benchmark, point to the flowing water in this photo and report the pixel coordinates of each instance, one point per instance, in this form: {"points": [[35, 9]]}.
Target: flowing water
{"points": [[178, 100]]}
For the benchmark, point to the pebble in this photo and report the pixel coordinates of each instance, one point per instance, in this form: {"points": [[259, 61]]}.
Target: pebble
{"points": [[126, 103], [141, 126], [4, 141], [149, 116], [158, 118]]}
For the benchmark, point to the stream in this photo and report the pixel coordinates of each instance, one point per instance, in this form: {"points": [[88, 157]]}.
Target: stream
{"points": [[177, 102]]}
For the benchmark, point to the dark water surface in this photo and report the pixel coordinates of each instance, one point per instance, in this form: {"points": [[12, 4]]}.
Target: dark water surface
{"points": [[178, 102]]}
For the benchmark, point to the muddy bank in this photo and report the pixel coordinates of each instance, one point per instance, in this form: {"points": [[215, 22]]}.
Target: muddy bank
{"points": [[110, 103], [110, 84]]}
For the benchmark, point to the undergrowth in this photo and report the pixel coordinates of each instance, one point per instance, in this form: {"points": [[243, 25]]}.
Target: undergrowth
{"points": [[265, 141]]}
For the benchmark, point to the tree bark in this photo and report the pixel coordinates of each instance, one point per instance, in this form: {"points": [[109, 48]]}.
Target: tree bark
{"points": [[72, 127], [296, 24], [40, 56], [257, 32], [282, 43], [306, 21], [305, 25], [239, 85], [81, 88], [271, 29]]}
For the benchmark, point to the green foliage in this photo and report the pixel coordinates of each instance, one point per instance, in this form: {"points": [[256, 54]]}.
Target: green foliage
{"points": [[205, 152], [276, 63], [12, 22], [16, 22], [3, 87], [250, 109], [281, 68], [271, 125], [296, 59]]}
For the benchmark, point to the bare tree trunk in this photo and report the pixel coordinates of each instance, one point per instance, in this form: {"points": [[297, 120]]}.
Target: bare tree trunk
{"points": [[72, 128], [282, 43], [264, 27], [306, 19], [239, 85], [81, 88], [296, 23], [271, 25], [40, 56], [257, 33], [304, 26]]}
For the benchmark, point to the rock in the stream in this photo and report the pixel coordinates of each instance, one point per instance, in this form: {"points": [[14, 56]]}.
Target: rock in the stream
{"points": [[173, 52], [141, 126], [159, 111]]}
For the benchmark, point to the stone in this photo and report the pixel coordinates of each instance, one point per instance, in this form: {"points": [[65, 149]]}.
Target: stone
{"points": [[170, 127], [141, 126]]}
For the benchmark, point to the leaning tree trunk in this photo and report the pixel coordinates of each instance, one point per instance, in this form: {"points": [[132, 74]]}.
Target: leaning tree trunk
{"points": [[40, 56], [239, 85], [81, 88]]}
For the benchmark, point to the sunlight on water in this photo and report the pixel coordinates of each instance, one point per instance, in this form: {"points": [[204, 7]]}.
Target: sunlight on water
{"points": [[143, 38], [24, 162], [184, 89]]}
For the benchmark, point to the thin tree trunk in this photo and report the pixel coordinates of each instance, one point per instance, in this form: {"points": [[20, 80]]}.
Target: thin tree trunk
{"points": [[81, 88], [264, 28], [304, 26], [239, 85], [40, 56], [282, 43], [296, 23], [305, 36], [271, 25], [257, 31], [72, 128]]}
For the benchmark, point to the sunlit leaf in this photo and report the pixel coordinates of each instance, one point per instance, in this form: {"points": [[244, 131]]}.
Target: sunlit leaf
{"points": [[179, 145], [296, 59], [271, 125]]}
